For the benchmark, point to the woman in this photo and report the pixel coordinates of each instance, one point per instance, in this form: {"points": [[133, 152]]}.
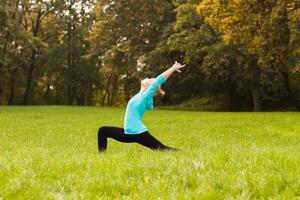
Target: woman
{"points": [[134, 130]]}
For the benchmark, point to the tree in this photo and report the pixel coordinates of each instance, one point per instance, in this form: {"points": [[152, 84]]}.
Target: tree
{"points": [[254, 25], [35, 13], [123, 33], [12, 39]]}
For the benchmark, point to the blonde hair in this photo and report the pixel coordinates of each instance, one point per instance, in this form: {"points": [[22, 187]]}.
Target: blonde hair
{"points": [[160, 92]]}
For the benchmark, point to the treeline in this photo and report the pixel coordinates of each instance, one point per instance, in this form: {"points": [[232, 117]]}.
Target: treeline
{"points": [[88, 52]]}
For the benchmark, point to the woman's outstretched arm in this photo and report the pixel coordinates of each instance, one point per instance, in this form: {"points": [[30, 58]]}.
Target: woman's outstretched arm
{"points": [[162, 78], [176, 67]]}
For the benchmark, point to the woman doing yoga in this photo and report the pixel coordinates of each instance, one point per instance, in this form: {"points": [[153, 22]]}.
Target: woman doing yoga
{"points": [[134, 130]]}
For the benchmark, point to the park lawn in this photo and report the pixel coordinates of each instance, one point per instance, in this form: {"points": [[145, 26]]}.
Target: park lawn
{"points": [[50, 152]]}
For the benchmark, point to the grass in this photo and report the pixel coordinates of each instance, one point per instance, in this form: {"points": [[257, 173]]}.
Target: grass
{"points": [[201, 103], [51, 153]]}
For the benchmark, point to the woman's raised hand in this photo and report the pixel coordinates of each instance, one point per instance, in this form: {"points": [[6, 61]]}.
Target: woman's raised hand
{"points": [[177, 66]]}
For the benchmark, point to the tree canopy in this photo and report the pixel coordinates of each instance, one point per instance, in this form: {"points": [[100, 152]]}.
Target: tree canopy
{"points": [[245, 53]]}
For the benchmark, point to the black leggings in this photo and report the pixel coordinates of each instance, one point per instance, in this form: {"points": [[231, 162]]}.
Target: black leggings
{"points": [[145, 138]]}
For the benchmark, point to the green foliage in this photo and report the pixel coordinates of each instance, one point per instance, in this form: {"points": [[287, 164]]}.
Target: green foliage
{"points": [[95, 52], [204, 103], [123, 33], [264, 28], [53, 155]]}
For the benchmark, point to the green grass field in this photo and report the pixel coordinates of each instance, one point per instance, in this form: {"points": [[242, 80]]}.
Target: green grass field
{"points": [[51, 153]]}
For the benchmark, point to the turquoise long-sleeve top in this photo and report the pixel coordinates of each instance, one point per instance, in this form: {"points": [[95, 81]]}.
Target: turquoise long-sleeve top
{"points": [[137, 106]]}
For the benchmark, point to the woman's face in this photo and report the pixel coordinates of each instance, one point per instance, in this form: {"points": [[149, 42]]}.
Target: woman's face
{"points": [[145, 83]]}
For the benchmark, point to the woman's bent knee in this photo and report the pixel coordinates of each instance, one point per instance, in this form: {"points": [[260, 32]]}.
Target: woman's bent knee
{"points": [[101, 130]]}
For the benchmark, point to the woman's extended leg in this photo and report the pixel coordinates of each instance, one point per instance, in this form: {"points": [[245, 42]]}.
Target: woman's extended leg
{"points": [[147, 140], [118, 134]]}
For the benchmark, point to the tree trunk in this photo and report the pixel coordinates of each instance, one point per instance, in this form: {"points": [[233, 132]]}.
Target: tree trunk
{"points": [[12, 92], [12, 86], [89, 95], [1, 79], [108, 98], [35, 31], [106, 92], [114, 90], [70, 65], [1, 91], [29, 78], [103, 98], [46, 96], [234, 99], [70, 95], [256, 99], [255, 86], [80, 99], [286, 82], [291, 97]]}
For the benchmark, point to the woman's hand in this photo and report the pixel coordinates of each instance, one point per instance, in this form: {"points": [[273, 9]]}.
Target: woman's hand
{"points": [[177, 66]]}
